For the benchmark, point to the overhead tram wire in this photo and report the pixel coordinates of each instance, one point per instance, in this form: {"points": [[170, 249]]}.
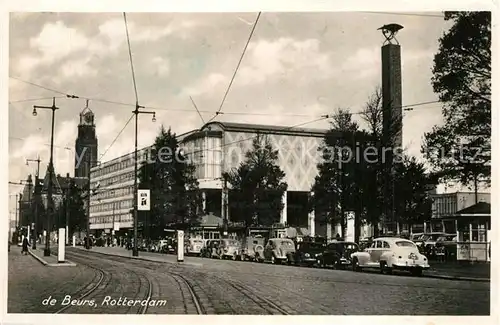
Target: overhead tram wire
{"points": [[116, 138], [202, 111], [237, 67], [130, 57]]}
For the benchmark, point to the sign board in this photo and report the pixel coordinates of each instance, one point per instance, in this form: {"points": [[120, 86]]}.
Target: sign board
{"points": [[116, 226], [180, 246], [463, 251], [143, 200]]}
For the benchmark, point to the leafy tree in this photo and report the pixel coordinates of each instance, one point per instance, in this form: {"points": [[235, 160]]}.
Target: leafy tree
{"points": [[337, 187], [413, 204], [73, 203], [257, 185], [378, 173], [460, 149], [175, 195]]}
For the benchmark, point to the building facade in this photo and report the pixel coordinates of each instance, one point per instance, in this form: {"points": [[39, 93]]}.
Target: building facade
{"points": [[215, 148]]}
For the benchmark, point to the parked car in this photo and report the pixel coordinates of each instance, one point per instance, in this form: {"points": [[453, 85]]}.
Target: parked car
{"points": [[253, 249], [307, 253], [337, 254], [391, 253], [229, 248], [211, 248], [280, 250], [194, 246], [169, 247]]}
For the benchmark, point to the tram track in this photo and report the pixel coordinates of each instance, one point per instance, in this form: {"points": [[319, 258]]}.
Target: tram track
{"points": [[101, 289]]}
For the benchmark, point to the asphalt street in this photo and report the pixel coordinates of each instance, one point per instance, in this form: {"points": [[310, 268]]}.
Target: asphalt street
{"points": [[233, 287]]}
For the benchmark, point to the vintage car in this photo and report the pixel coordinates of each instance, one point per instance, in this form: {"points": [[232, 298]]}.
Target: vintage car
{"points": [[307, 253], [211, 248], [391, 253], [280, 250], [253, 249], [229, 248], [194, 246], [337, 254]]}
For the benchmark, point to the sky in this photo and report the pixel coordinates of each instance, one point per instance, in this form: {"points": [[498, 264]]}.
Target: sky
{"points": [[307, 64]]}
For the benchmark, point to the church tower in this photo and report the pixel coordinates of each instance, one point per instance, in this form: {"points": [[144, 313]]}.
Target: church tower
{"points": [[86, 143]]}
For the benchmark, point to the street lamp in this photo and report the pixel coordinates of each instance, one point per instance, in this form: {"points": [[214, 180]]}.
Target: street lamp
{"points": [[37, 192], [135, 251], [53, 108]]}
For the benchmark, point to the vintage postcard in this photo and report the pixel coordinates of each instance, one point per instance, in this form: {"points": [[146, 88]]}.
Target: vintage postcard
{"points": [[260, 162]]}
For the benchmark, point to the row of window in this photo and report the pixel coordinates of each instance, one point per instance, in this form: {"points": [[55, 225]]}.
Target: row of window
{"points": [[122, 163], [111, 193], [117, 179], [125, 204], [109, 219]]}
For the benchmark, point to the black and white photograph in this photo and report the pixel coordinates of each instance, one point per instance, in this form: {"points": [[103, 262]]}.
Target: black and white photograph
{"points": [[249, 163]]}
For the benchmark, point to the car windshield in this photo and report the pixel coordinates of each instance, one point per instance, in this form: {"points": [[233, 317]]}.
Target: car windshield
{"points": [[405, 244], [311, 246]]}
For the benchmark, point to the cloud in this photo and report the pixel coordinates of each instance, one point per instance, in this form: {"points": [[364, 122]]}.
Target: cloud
{"points": [[284, 57], [207, 85], [160, 66]]}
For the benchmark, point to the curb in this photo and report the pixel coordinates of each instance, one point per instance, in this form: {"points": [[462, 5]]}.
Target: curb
{"points": [[148, 260], [456, 278], [45, 263], [38, 258]]}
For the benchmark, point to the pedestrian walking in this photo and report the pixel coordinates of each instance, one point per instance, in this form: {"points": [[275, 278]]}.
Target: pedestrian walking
{"points": [[25, 245]]}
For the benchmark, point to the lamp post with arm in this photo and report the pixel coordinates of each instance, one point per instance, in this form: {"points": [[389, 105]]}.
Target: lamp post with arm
{"points": [[53, 108], [135, 251]]}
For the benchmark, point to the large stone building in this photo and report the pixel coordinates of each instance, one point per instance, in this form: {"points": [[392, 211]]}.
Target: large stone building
{"points": [[216, 148]]}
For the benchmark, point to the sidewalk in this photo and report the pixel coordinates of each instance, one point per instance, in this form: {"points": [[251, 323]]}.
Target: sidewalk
{"points": [[458, 271], [147, 256], [48, 260]]}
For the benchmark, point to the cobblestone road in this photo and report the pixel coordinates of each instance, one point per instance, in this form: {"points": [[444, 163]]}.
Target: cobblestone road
{"points": [[229, 287]]}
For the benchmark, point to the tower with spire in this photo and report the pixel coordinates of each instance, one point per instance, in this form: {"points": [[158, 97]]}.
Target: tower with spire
{"points": [[86, 143]]}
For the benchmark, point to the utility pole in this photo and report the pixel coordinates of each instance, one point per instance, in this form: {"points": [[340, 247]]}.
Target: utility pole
{"points": [[224, 204], [36, 198], [89, 190], [67, 207], [50, 206]]}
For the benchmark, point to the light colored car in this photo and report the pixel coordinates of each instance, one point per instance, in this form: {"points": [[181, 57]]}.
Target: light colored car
{"points": [[229, 248], [253, 249], [391, 253], [194, 247], [280, 250]]}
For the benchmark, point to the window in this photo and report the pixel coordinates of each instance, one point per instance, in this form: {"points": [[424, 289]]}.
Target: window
{"points": [[405, 244], [386, 245], [478, 232], [378, 244]]}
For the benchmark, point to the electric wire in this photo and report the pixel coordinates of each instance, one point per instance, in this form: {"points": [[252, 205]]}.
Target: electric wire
{"points": [[403, 14], [237, 67], [130, 57], [220, 113], [116, 138]]}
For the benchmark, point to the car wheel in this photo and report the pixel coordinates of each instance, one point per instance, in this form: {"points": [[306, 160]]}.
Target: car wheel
{"points": [[384, 268], [416, 272], [355, 265]]}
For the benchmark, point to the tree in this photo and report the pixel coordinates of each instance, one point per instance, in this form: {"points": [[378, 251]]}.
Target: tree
{"points": [[378, 171], [73, 203], [337, 187], [170, 177], [462, 79], [258, 186], [413, 204]]}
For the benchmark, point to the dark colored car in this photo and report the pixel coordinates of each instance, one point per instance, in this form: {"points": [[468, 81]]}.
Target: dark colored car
{"points": [[306, 253], [337, 254]]}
